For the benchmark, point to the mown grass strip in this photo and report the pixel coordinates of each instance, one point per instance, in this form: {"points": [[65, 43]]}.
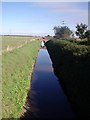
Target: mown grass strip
{"points": [[16, 69]]}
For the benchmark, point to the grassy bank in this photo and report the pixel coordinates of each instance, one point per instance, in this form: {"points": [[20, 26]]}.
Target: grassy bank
{"points": [[16, 74], [71, 62]]}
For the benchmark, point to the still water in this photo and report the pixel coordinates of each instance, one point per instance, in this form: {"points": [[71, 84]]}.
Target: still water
{"points": [[46, 98]]}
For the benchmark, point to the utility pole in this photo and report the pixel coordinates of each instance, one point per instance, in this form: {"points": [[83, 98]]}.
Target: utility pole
{"points": [[9, 32], [63, 22]]}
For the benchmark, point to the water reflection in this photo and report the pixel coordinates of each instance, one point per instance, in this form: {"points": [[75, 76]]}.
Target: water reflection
{"points": [[46, 98]]}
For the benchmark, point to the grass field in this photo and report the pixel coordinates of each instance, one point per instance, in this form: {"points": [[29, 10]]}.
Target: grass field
{"points": [[0, 77], [15, 41], [16, 73]]}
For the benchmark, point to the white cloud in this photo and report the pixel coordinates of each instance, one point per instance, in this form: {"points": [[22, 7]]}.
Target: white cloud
{"points": [[64, 6], [70, 10]]}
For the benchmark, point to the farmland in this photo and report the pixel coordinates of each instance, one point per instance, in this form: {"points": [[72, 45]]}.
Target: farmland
{"points": [[17, 65], [12, 42]]}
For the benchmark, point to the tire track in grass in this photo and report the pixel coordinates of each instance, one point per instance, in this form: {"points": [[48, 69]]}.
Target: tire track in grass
{"points": [[9, 49]]}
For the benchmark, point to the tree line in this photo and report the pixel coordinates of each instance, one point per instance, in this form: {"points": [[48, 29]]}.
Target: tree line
{"points": [[64, 32]]}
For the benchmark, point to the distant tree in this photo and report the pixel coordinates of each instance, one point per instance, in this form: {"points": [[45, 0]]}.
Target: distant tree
{"points": [[72, 35], [62, 32], [87, 35], [81, 29], [48, 36]]}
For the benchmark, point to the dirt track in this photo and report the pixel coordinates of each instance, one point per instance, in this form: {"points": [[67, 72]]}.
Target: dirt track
{"points": [[8, 49]]}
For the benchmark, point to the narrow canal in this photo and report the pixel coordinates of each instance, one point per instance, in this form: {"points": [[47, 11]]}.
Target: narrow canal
{"points": [[46, 98]]}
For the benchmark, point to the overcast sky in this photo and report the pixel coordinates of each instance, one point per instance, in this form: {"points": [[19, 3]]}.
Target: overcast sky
{"points": [[39, 18]]}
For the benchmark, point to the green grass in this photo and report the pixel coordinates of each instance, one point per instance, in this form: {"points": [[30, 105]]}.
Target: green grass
{"points": [[71, 62], [16, 74], [0, 78]]}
